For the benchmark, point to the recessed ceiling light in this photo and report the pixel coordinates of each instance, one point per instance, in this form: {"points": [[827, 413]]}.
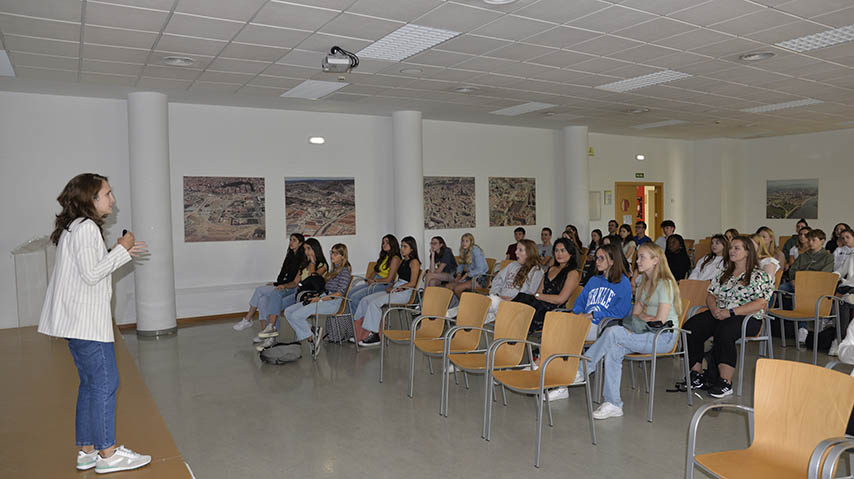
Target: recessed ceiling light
{"points": [[313, 89], [522, 109], [411, 71], [498, 2], [317, 140], [659, 124], [6, 69], [640, 157], [756, 56], [782, 106], [636, 111], [466, 89], [405, 42], [642, 81], [818, 40], [177, 61]]}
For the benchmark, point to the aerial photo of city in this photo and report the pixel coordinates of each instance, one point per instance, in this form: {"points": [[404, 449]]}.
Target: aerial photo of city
{"points": [[792, 199], [512, 201], [448, 202], [320, 206], [221, 208]]}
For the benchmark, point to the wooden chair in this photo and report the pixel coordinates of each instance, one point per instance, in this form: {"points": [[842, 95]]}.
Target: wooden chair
{"points": [[434, 305], [814, 300], [786, 423], [560, 352], [472, 313], [511, 322], [368, 272], [680, 348], [702, 248], [782, 241], [689, 248], [490, 266], [766, 343], [696, 292]]}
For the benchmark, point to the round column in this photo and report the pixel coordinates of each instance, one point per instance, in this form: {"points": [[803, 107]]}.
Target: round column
{"points": [[408, 175], [577, 211], [154, 279]]}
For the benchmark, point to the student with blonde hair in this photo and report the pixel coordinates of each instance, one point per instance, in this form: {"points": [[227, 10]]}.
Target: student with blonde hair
{"points": [[767, 235], [472, 264], [767, 262]]}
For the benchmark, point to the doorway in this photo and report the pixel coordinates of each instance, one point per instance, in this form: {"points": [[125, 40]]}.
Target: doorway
{"points": [[640, 201]]}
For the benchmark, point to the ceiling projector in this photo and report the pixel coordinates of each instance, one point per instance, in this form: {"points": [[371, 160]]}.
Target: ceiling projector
{"points": [[339, 61]]}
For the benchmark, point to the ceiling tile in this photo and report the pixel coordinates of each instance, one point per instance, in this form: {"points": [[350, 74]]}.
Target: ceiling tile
{"points": [[521, 52], [490, 79], [396, 69], [561, 11], [272, 36], [278, 82], [678, 60], [611, 19], [261, 91], [293, 16], [787, 32], [693, 39], [110, 15], [661, 7], [201, 61], [114, 68], [119, 37], [322, 43], [43, 61], [214, 87], [561, 58], [107, 79], [303, 59], [655, 30], [163, 83], [604, 45], [511, 27], [68, 10], [701, 68], [114, 54], [837, 19], [472, 44], [438, 58], [358, 26], [403, 11], [202, 27], [643, 53], [363, 89], [240, 66], [483, 64], [290, 71], [343, 97], [716, 11], [754, 22], [561, 37], [225, 77], [457, 18], [822, 72], [333, 4], [37, 27], [247, 51], [378, 80], [450, 74], [812, 8], [729, 47], [190, 45], [788, 63], [240, 10], [46, 74], [179, 73], [61, 48], [372, 65], [599, 65], [631, 71], [153, 4]]}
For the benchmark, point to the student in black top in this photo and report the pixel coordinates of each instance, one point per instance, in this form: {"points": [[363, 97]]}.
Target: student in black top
{"points": [[557, 285], [518, 235], [835, 238], [677, 257], [443, 265]]}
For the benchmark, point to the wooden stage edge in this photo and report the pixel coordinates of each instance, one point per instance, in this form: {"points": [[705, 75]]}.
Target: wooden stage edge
{"points": [[39, 404], [194, 321]]}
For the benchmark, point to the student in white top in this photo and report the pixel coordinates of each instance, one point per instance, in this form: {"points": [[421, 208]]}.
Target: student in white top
{"points": [[77, 308], [668, 227], [767, 235], [767, 262], [841, 253], [713, 263]]}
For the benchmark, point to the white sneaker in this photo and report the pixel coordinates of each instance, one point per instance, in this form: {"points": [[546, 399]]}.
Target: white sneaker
{"points": [[451, 368], [267, 343], [849, 298], [269, 331], [452, 312], [802, 335], [558, 393], [243, 324], [122, 460], [579, 378], [834, 348], [607, 410], [531, 367], [86, 461]]}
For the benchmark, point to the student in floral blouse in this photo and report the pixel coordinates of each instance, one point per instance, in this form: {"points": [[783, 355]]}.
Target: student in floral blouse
{"points": [[742, 289]]}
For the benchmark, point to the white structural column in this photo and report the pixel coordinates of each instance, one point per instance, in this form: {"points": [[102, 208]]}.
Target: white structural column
{"points": [[408, 175], [154, 278], [575, 160]]}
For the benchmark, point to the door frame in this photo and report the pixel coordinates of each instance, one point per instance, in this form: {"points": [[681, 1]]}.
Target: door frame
{"points": [[654, 228]]}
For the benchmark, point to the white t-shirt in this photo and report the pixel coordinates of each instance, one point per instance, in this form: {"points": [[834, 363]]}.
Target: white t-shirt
{"points": [[840, 254], [707, 271], [793, 253], [765, 261]]}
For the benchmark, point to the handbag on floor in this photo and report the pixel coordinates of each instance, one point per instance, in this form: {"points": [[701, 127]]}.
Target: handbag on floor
{"points": [[282, 353], [339, 328]]}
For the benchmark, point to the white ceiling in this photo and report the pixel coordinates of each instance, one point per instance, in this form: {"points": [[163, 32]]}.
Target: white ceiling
{"points": [[249, 52]]}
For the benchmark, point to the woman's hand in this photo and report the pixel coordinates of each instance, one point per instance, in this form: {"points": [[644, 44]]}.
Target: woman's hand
{"points": [[720, 314], [389, 290], [369, 280], [588, 316], [280, 287], [127, 240], [316, 299], [139, 248]]}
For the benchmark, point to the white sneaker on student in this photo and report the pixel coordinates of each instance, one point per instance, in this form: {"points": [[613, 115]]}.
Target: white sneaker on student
{"points": [[557, 394], [86, 461], [802, 335], [269, 331], [122, 460], [267, 343], [607, 410], [243, 324], [579, 378], [451, 368], [834, 348]]}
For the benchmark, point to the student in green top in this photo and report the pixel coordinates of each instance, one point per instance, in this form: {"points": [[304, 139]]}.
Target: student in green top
{"points": [[657, 304]]}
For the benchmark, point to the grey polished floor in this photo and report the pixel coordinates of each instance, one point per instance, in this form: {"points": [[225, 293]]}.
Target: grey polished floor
{"points": [[233, 416]]}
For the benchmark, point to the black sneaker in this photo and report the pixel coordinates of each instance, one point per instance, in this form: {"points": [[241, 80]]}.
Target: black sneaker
{"points": [[372, 340], [698, 381], [721, 390]]}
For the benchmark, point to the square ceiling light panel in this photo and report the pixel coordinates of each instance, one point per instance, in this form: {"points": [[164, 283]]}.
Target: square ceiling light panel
{"points": [[313, 89], [405, 42]]}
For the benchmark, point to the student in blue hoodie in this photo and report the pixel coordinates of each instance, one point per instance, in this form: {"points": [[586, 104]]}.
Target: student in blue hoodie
{"points": [[609, 293]]}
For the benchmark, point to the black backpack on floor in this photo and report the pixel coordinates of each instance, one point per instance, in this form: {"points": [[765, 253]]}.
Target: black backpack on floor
{"points": [[282, 353]]}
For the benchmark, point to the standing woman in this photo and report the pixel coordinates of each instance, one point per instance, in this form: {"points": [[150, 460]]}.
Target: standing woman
{"points": [[713, 263], [370, 308], [77, 308], [472, 264], [443, 265], [677, 257]]}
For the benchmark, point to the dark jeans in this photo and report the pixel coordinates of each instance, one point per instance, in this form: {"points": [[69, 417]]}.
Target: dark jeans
{"points": [[725, 331], [96, 397], [540, 307]]}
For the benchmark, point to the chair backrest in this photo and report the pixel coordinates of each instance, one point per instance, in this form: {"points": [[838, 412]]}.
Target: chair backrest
{"points": [[689, 243], [570, 303], [345, 304], [686, 305], [809, 285], [414, 298], [472, 312], [503, 263], [778, 276], [782, 240], [435, 303], [512, 322], [490, 264], [702, 248], [563, 333], [370, 269], [694, 291], [796, 406]]}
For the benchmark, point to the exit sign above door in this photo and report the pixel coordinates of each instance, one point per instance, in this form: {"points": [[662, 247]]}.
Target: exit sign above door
{"points": [[638, 175]]}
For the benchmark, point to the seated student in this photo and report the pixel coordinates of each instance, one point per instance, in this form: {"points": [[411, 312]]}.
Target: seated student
{"points": [[613, 226], [518, 235], [767, 262], [472, 265], [521, 276], [545, 249], [588, 263], [845, 289], [337, 281], [614, 240], [443, 265], [677, 257], [713, 263], [370, 308], [574, 236], [835, 238], [767, 235], [742, 289], [793, 241], [315, 264], [668, 227], [285, 284], [846, 349], [628, 244], [801, 246], [384, 273], [845, 248], [557, 284], [815, 259], [609, 293], [640, 233], [731, 233], [658, 305]]}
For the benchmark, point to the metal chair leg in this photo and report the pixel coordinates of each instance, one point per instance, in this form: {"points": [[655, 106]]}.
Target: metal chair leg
{"points": [[783, 334], [654, 361], [383, 342], [430, 365], [411, 368], [466, 379], [741, 355], [504, 394], [631, 374], [687, 367], [539, 427], [589, 402], [645, 376], [545, 399]]}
